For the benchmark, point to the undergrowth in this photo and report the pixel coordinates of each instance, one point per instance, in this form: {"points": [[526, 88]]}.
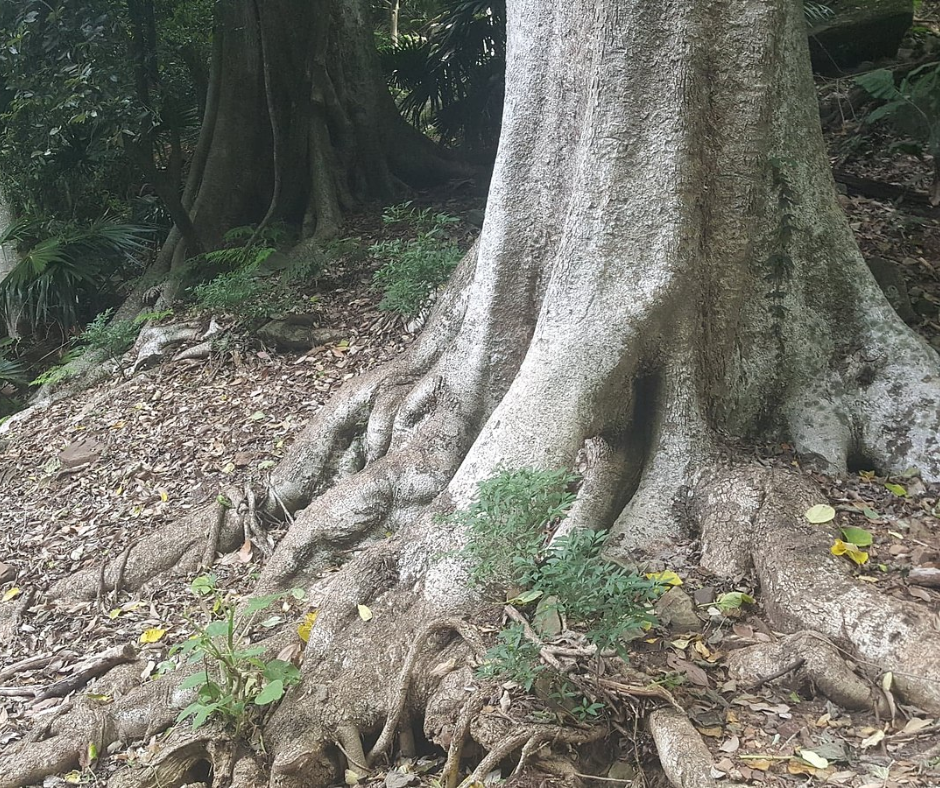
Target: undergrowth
{"points": [[235, 684], [415, 268], [252, 281], [508, 527]]}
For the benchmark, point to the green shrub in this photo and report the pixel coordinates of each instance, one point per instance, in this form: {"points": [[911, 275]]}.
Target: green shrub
{"points": [[513, 658], [413, 269], [236, 684], [605, 597], [506, 527], [506, 523], [244, 294], [912, 106], [63, 265]]}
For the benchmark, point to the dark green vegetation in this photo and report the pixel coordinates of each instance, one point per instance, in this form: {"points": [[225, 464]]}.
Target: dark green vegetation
{"points": [[510, 524]]}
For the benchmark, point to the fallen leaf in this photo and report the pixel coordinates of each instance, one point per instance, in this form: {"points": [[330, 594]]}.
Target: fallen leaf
{"points": [[820, 513], [731, 745], [916, 724], [152, 635], [303, 631], [666, 577], [11, 593], [897, 489], [364, 613], [857, 536], [813, 759], [351, 777], [872, 740], [733, 600]]}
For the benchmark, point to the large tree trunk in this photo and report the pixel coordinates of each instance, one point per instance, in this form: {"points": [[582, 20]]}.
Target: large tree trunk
{"points": [[302, 126], [663, 268]]}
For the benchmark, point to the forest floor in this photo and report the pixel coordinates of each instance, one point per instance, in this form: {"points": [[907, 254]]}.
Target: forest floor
{"points": [[82, 480]]}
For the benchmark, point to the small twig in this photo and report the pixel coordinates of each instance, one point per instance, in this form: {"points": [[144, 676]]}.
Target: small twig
{"points": [[795, 665], [604, 779], [530, 737], [641, 692], [93, 668], [102, 586], [272, 490], [19, 692]]}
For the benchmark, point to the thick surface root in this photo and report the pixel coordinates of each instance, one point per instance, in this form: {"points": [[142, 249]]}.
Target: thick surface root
{"points": [[752, 518]]}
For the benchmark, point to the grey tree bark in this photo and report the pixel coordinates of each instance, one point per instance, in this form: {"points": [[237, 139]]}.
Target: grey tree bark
{"points": [[663, 273]]}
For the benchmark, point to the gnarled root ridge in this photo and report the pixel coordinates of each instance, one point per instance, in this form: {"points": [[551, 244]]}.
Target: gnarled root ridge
{"points": [[752, 519]]}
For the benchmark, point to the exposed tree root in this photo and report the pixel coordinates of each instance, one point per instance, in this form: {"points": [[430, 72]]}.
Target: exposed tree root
{"points": [[817, 662], [753, 518], [683, 755]]}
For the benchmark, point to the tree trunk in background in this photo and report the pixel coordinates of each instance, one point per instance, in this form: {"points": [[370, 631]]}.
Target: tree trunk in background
{"points": [[8, 259], [302, 121]]}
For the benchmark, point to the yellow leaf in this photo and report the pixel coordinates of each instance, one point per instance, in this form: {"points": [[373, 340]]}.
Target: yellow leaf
{"points": [[846, 548], [351, 777], [152, 635], [11, 593], [163, 495], [306, 625], [364, 613], [667, 577], [92, 752], [820, 513], [114, 613], [98, 697], [760, 763], [73, 777], [886, 681], [229, 467], [798, 766]]}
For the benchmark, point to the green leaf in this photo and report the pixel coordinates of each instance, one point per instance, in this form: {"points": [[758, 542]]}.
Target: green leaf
{"points": [[272, 691], [259, 603], [820, 513], [857, 536], [195, 680], [733, 600], [897, 489], [216, 629], [281, 670], [526, 597], [879, 83]]}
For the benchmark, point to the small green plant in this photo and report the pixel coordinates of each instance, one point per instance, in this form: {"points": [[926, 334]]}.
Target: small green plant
{"points": [[507, 526], [507, 522], [244, 294], [413, 269], [114, 337], [913, 107], [53, 375], [236, 683], [513, 658]]}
